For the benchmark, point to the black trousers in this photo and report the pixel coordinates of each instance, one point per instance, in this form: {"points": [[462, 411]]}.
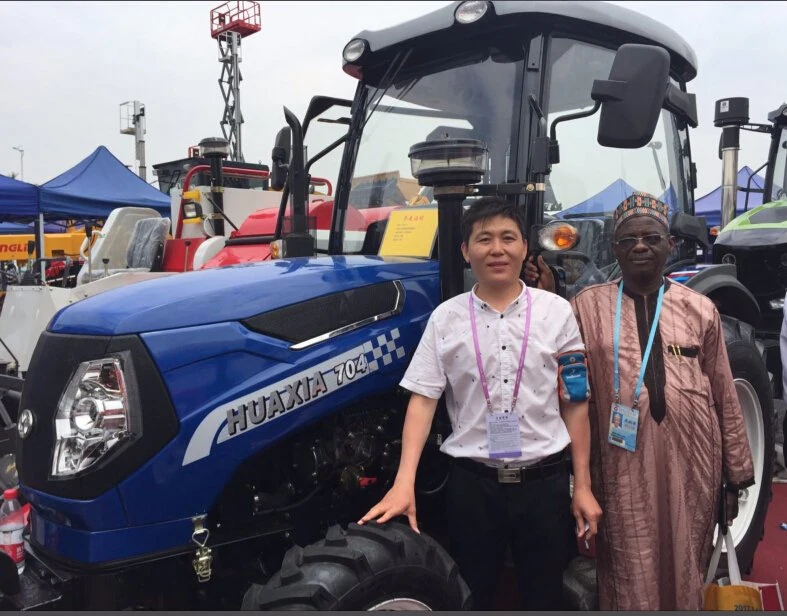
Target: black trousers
{"points": [[533, 518]]}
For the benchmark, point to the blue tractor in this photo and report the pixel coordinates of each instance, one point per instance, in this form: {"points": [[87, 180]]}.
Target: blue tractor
{"points": [[180, 440]]}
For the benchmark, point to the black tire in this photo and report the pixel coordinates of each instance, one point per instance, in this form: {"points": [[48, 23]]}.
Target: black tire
{"points": [[747, 364], [360, 568]]}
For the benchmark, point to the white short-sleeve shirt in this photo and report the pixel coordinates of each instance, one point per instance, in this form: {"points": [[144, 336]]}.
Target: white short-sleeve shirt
{"points": [[445, 361]]}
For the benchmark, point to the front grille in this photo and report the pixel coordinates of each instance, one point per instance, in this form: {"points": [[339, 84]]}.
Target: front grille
{"points": [[759, 269]]}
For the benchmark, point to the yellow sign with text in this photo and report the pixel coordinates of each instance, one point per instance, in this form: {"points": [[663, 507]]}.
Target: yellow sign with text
{"points": [[14, 247], [410, 232]]}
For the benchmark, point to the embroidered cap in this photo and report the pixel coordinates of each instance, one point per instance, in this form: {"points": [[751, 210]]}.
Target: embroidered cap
{"points": [[641, 204]]}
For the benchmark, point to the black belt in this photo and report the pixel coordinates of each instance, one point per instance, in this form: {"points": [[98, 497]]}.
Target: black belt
{"points": [[548, 467]]}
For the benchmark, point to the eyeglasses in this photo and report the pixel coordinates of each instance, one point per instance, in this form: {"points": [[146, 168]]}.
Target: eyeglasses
{"points": [[627, 243]]}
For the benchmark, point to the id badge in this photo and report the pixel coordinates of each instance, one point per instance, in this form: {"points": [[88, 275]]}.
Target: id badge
{"points": [[623, 423], [502, 430]]}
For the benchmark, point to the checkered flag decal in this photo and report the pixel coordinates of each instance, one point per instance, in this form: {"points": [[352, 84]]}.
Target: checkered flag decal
{"points": [[383, 349]]}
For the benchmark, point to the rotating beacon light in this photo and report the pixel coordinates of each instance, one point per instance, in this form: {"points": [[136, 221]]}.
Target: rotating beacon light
{"points": [[450, 166]]}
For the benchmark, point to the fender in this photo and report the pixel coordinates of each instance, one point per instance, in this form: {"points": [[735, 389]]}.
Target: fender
{"points": [[721, 284]]}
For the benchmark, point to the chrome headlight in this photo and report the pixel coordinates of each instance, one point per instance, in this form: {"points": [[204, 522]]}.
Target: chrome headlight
{"points": [[471, 11], [354, 50], [93, 416]]}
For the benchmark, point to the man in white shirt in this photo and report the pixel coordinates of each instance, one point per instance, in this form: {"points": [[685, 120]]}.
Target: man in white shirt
{"points": [[510, 361]]}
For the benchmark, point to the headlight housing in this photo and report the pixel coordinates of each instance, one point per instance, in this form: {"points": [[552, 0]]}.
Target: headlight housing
{"points": [[354, 50], [93, 416], [471, 11]]}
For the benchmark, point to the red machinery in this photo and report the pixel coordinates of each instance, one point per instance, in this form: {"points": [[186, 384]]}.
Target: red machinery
{"points": [[241, 16]]}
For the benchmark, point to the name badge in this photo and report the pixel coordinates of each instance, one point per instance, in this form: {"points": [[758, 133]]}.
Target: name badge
{"points": [[623, 423], [502, 430]]}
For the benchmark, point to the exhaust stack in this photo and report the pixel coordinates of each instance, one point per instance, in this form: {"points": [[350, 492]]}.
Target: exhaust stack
{"points": [[730, 114]]}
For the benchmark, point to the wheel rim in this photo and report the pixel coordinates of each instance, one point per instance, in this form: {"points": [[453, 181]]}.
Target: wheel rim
{"points": [[402, 604], [755, 431]]}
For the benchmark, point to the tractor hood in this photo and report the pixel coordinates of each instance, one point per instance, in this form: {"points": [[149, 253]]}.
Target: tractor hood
{"points": [[227, 294], [762, 227]]}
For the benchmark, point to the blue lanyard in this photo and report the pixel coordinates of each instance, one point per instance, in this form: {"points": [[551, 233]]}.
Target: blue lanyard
{"points": [[616, 342]]}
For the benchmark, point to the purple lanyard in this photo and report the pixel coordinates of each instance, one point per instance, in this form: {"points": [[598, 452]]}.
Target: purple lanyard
{"points": [[522, 354]]}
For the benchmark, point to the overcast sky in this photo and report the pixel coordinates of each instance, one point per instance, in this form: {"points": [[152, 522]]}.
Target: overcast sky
{"points": [[67, 66]]}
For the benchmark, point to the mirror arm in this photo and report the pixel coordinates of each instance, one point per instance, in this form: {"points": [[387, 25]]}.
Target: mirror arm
{"points": [[572, 116], [325, 152], [682, 104], [554, 147], [321, 104]]}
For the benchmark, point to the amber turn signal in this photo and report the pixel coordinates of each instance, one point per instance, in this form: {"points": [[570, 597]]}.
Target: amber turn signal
{"points": [[558, 236]]}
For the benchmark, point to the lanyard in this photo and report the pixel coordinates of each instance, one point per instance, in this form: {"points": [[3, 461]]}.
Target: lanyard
{"points": [[646, 357], [522, 353]]}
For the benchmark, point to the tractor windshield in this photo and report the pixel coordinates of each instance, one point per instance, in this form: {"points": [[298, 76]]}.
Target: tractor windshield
{"points": [[591, 180], [780, 169], [472, 96], [480, 91]]}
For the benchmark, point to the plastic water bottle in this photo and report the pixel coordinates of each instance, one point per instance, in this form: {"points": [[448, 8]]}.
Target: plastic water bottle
{"points": [[12, 526]]}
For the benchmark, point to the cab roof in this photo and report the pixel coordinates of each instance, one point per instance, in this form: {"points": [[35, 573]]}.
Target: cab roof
{"points": [[629, 25]]}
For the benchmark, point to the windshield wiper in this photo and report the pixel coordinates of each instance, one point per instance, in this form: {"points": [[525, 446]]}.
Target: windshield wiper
{"points": [[388, 81]]}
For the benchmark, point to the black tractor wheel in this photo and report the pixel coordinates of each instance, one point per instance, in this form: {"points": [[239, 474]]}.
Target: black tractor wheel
{"points": [[370, 567], [756, 399]]}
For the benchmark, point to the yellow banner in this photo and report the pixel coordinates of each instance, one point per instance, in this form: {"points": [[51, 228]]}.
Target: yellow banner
{"points": [[410, 232], [14, 247]]}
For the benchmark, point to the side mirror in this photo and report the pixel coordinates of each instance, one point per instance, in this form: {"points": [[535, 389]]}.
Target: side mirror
{"points": [[281, 158], [687, 227], [632, 97]]}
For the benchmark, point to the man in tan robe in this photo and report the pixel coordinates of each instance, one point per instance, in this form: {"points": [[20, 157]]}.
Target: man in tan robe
{"points": [[659, 502]]}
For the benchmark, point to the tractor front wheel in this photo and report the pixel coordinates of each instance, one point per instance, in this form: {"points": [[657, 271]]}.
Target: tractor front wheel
{"points": [[371, 567]]}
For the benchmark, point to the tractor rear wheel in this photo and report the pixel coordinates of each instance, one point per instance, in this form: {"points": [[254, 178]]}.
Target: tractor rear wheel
{"points": [[371, 567], [754, 390]]}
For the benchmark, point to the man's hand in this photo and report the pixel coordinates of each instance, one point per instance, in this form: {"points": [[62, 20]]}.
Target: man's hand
{"points": [[586, 512], [732, 505], [400, 500], [541, 273]]}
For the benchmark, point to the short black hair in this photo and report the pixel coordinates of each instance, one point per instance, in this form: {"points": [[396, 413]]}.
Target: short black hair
{"points": [[489, 207]]}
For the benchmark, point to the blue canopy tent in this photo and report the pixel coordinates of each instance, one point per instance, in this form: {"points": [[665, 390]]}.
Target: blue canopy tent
{"points": [[709, 205], [17, 199], [18, 228], [607, 200], [603, 202], [97, 185]]}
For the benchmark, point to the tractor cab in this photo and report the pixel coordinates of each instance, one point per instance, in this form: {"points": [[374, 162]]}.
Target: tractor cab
{"points": [[754, 239], [526, 82], [752, 236], [776, 175]]}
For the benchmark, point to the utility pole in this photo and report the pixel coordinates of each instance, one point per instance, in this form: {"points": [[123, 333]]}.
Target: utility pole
{"points": [[132, 122], [21, 151]]}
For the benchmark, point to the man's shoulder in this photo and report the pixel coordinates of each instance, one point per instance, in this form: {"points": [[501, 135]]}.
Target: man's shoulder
{"points": [[681, 291], [592, 292], [547, 300]]}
